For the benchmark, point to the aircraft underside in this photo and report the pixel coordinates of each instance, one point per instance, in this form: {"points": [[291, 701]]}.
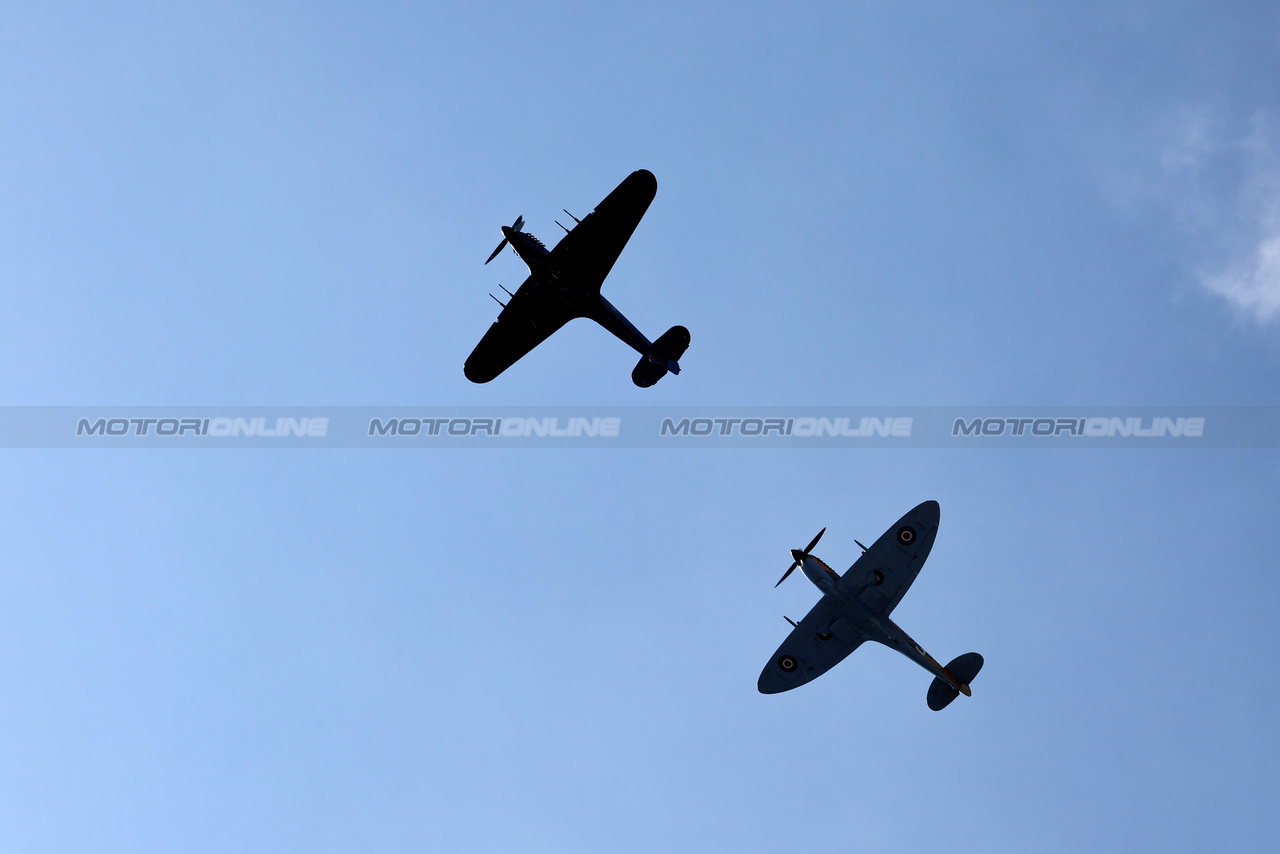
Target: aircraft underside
{"points": [[855, 608], [564, 283]]}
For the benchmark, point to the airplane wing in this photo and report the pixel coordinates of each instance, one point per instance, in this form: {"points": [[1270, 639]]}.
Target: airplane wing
{"points": [[531, 316], [588, 252], [823, 639], [897, 556]]}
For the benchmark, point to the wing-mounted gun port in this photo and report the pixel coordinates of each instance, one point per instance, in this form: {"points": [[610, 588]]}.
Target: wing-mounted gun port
{"points": [[667, 350]]}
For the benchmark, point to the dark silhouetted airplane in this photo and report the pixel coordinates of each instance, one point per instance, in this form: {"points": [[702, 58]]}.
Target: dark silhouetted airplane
{"points": [[564, 283], [855, 608]]}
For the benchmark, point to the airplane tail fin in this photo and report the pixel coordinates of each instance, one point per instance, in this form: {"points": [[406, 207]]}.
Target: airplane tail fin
{"points": [[964, 668], [669, 347]]}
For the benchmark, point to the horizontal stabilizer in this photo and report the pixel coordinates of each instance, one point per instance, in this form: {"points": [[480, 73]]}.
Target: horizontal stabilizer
{"points": [[672, 343], [669, 347], [941, 694], [964, 668]]}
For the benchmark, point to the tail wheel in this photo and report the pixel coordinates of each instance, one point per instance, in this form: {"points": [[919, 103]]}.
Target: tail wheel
{"points": [[907, 535], [787, 663]]}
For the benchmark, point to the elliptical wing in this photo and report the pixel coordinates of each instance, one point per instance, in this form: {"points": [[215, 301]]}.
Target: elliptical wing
{"points": [[818, 643], [897, 557]]}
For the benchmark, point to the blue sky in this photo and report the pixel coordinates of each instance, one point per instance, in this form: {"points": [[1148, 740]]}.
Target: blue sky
{"points": [[557, 650]]}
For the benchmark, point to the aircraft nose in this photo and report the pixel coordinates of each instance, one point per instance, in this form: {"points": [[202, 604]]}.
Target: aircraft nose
{"points": [[797, 555]]}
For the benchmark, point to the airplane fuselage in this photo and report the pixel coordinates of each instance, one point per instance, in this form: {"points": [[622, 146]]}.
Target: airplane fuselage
{"points": [[880, 629], [823, 577], [529, 248], [584, 299]]}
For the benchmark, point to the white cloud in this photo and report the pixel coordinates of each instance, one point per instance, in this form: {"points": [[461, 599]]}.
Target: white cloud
{"points": [[1230, 188], [1254, 285], [1194, 143]]}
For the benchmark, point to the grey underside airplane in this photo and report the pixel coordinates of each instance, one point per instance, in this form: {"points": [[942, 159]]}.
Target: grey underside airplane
{"points": [[855, 608], [564, 283]]}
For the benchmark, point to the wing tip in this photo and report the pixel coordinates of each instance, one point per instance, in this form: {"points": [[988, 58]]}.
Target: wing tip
{"points": [[646, 179], [928, 510], [475, 374], [766, 686]]}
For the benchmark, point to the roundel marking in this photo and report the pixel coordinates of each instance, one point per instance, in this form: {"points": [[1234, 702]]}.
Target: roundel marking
{"points": [[906, 535], [787, 663]]}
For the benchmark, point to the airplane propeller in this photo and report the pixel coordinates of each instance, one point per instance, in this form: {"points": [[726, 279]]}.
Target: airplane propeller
{"points": [[800, 556], [515, 226]]}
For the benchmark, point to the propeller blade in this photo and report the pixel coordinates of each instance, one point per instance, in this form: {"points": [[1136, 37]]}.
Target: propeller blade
{"points": [[515, 226], [501, 246], [806, 551], [809, 547], [788, 572]]}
